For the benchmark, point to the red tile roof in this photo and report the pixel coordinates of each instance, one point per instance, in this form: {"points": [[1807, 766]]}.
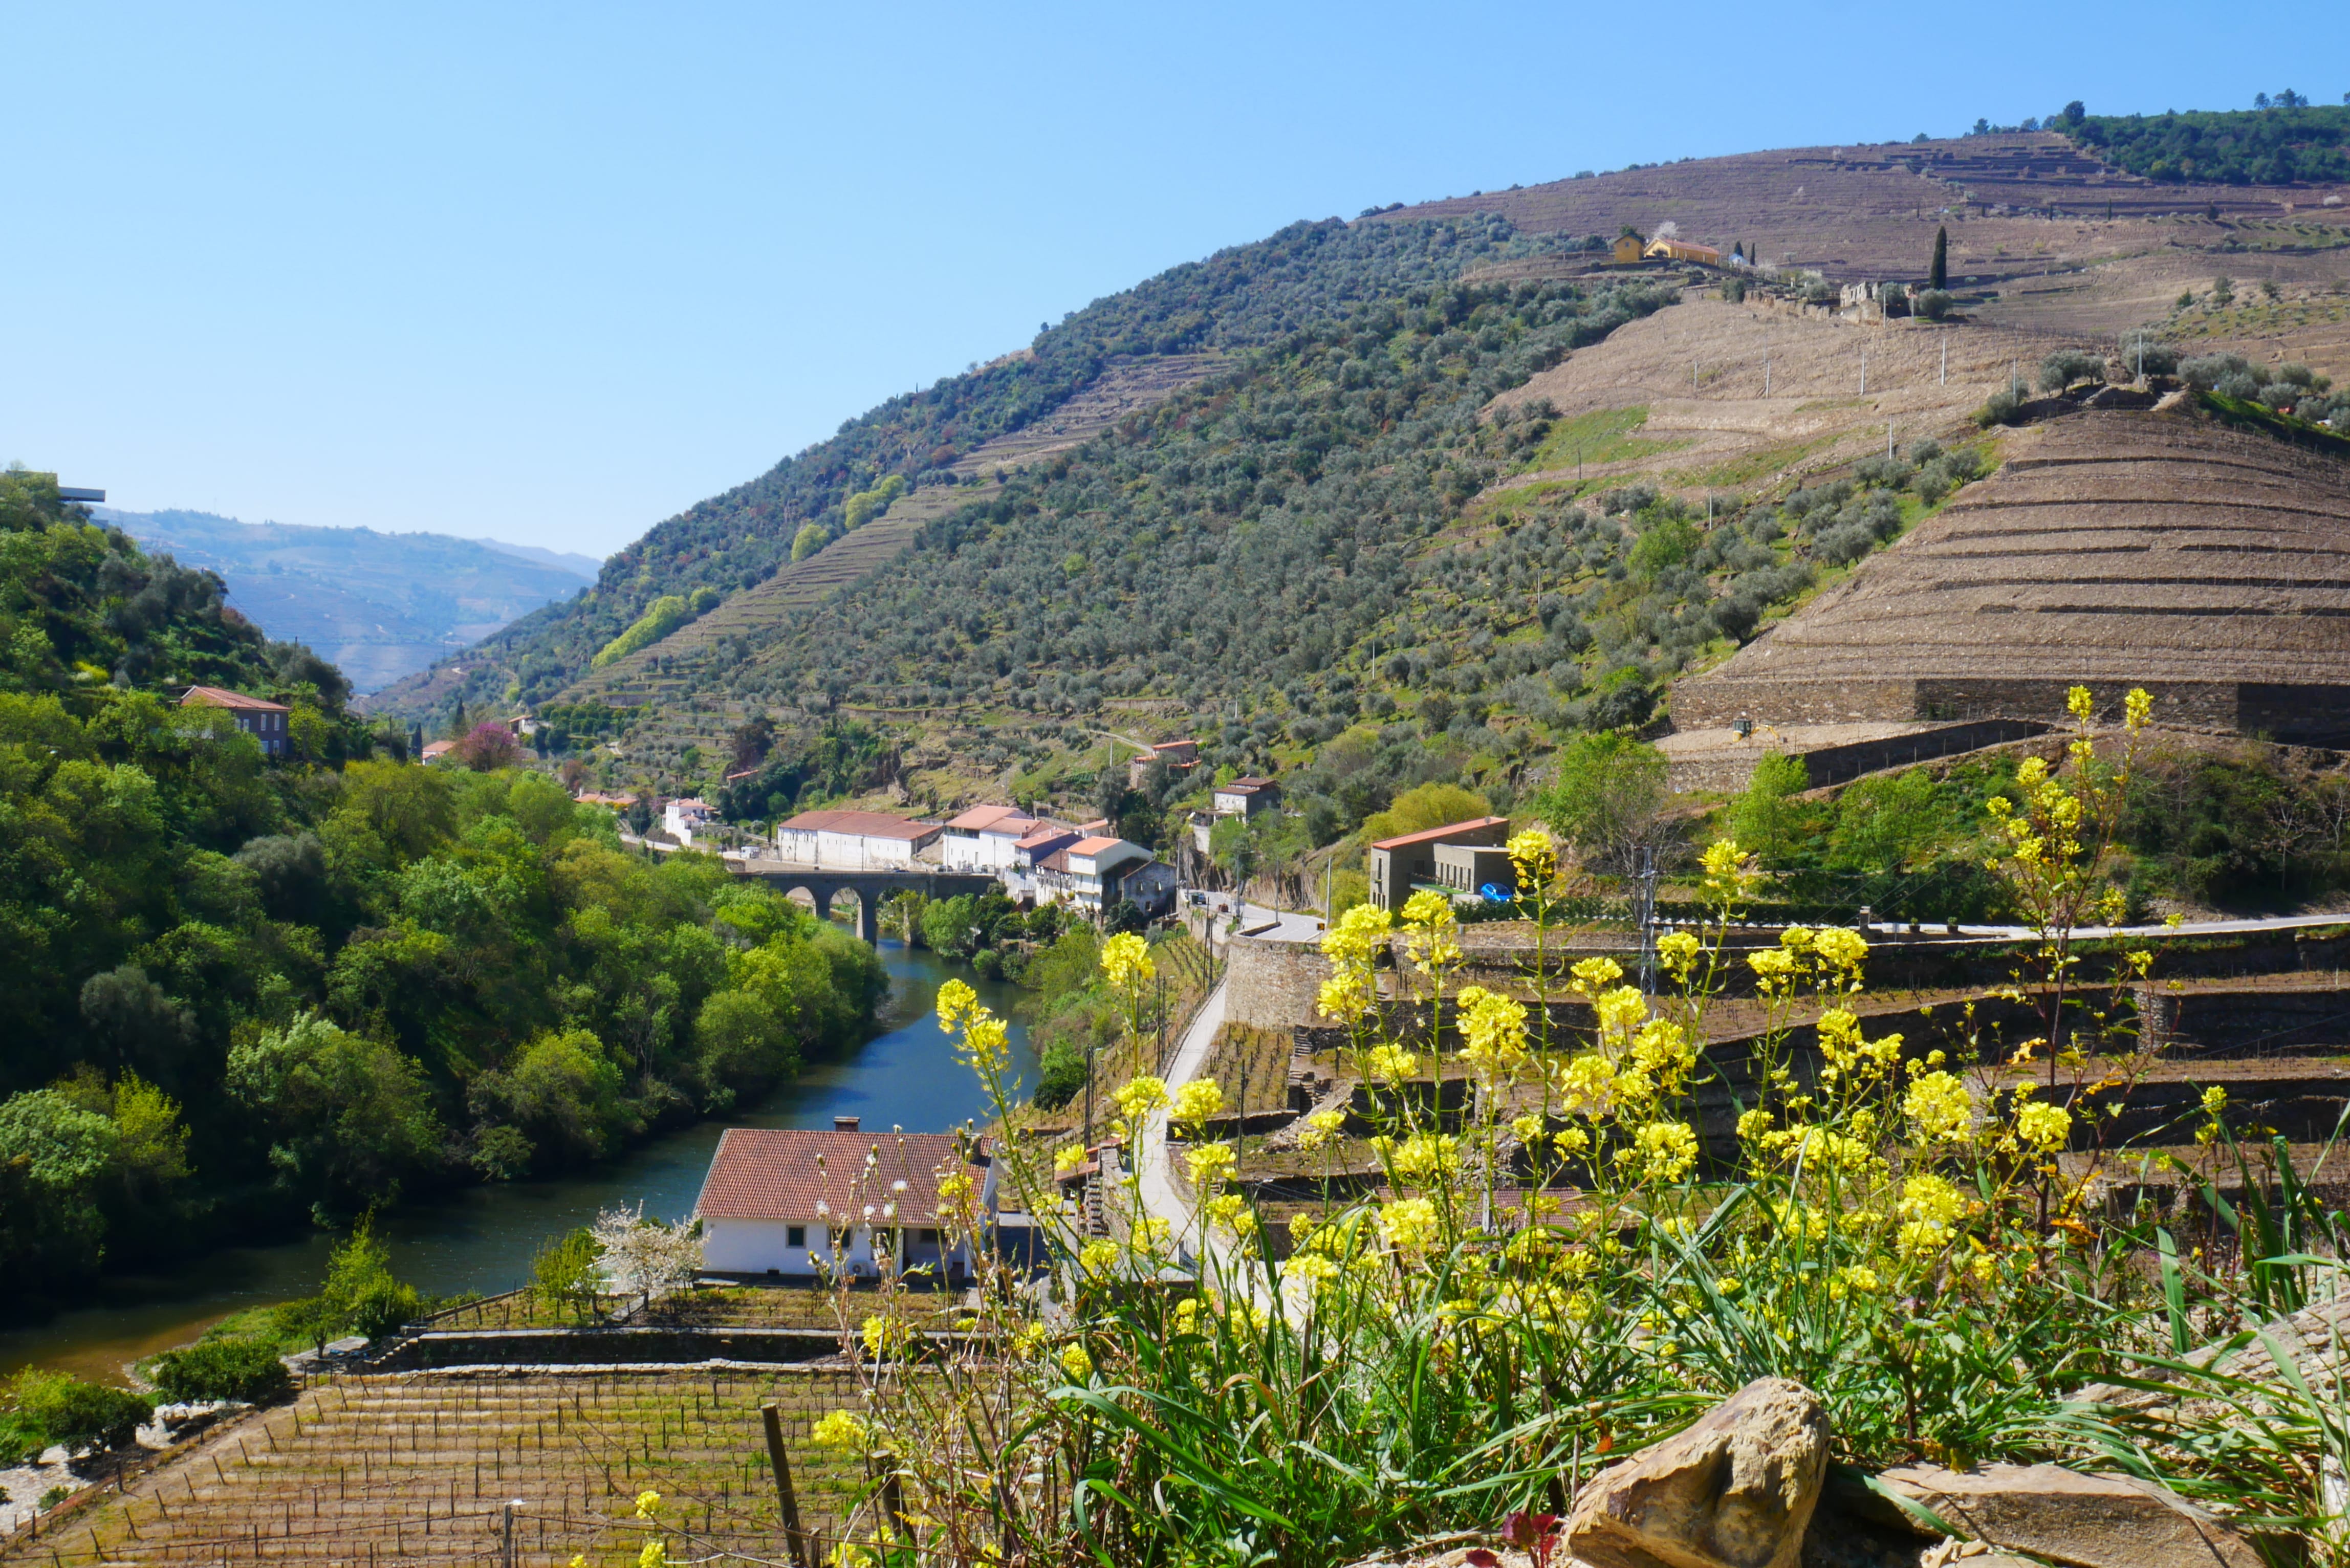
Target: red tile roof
{"points": [[220, 697], [1094, 845], [1438, 834], [772, 1173], [860, 824], [998, 818]]}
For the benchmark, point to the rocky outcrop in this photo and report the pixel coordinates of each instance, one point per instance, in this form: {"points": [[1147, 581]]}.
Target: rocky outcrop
{"points": [[1734, 1491], [2084, 1521]]}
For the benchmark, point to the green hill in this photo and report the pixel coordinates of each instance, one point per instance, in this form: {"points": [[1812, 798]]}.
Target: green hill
{"points": [[1238, 299]]}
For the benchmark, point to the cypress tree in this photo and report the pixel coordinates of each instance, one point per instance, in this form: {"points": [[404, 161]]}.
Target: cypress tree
{"points": [[1940, 272]]}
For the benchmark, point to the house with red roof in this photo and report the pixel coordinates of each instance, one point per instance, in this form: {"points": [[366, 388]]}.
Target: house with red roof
{"points": [[985, 839], [1095, 872], [798, 1202], [1459, 857], [258, 716], [853, 840]]}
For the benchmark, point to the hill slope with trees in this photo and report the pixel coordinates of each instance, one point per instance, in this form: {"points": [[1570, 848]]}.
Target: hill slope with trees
{"points": [[250, 988]]}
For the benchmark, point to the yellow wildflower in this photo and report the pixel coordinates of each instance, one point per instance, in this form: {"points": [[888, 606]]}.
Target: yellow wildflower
{"points": [[1347, 994], [1096, 1257], [1126, 961], [2079, 703], [655, 1554], [1409, 1224], [1678, 951], [1357, 936], [1589, 976], [1535, 860], [956, 999], [986, 1042], [2045, 1127], [839, 1429], [884, 1335], [1320, 1128], [649, 1505], [1528, 1128], [1077, 1363], [1069, 1159], [1664, 1151], [1226, 1211], [1942, 1107], [1621, 1010], [1187, 1315], [1390, 1064], [1752, 1125], [1492, 1032], [1196, 1101], [1140, 1096], [1841, 948], [2137, 708], [1210, 1164], [1425, 1156]]}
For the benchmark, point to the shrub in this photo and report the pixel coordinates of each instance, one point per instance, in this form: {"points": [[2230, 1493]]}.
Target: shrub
{"points": [[2003, 407], [2066, 365], [1934, 304], [51, 1407], [2206, 371], [2148, 355], [228, 1368], [2242, 386]]}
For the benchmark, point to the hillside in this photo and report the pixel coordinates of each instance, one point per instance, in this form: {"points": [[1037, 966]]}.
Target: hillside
{"points": [[381, 605], [1334, 496], [1246, 295]]}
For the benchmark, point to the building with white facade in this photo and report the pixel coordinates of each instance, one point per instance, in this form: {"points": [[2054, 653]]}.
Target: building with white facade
{"points": [[796, 1202], [1095, 873], [985, 840], [853, 840], [682, 819]]}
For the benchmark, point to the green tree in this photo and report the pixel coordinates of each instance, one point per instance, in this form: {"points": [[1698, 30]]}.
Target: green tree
{"points": [[55, 1157], [1938, 275], [566, 1274], [808, 541], [349, 1119], [1766, 819], [1424, 806], [564, 1093], [1607, 800]]}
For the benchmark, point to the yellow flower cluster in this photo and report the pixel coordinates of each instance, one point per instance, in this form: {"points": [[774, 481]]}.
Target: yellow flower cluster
{"points": [[884, 1335], [1411, 1225], [1492, 1033], [1319, 1129], [1210, 1164], [1390, 1064], [1196, 1101], [1076, 1364], [1424, 1156], [1942, 1107], [1589, 977], [1661, 1152], [840, 1429], [1139, 1096], [1126, 962], [1428, 928], [1534, 857]]}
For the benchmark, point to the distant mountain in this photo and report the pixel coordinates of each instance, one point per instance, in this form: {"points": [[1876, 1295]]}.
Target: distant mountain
{"points": [[381, 605]]}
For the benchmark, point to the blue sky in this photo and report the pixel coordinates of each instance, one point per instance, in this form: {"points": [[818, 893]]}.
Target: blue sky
{"points": [[551, 274]]}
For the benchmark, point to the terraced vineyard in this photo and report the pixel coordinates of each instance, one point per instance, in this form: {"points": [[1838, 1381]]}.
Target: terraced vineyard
{"points": [[418, 1468]]}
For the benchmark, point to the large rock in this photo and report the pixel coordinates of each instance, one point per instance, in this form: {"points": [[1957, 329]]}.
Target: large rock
{"points": [[2086, 1522], [1735, 1491]]}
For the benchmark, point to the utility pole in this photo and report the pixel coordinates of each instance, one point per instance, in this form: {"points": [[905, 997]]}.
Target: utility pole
{"points": [[1863, 372], [1888, 438], [1643, 910], [1946, 361], [1766, 378]]}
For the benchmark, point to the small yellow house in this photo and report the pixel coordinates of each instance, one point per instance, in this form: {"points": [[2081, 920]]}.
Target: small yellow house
{"points": [[1665, 249], [1628, 249]]}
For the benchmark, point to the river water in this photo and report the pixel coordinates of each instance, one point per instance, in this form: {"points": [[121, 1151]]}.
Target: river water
{"points": [[482, 1238]]}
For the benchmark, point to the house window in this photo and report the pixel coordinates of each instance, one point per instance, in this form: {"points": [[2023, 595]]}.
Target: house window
{"points": [[930, 1235], [795, 1236]]}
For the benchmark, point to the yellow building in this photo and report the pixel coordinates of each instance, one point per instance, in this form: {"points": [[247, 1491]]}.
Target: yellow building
{"points": [[1628, 249], [1681, 250]]}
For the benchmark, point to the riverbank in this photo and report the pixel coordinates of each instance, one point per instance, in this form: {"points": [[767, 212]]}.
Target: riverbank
{"points": [[481, 1238]]}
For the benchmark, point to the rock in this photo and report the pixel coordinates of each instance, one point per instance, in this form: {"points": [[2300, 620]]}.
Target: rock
{"points": [[1735, 1491], [2084, 1521]]}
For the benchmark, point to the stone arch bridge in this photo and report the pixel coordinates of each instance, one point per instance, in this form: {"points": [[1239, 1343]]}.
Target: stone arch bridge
{"points": [[871, 888]]}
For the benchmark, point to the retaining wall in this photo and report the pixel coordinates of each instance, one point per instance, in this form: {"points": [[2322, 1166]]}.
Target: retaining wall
{"points": [[1273, 985]]}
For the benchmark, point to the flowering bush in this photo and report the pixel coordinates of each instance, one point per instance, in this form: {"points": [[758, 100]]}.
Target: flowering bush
{"points": [[1613, 1231]]}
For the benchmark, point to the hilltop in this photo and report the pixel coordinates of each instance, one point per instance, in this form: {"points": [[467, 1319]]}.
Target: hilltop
{"points": [[1423, 494], [381, 605]]}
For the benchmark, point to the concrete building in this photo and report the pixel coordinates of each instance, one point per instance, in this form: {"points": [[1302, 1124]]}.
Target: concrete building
{"points": [[853, 840], [1400, 864], [1039, 844], [258, 716], [986, 838], [1095, 873], [1474, 867], [796, 1202], [1244, 797]]}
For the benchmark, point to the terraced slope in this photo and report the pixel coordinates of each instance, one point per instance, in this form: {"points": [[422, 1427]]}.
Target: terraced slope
{"points": [[650, 674], [2015, 206], [2115, 548]]}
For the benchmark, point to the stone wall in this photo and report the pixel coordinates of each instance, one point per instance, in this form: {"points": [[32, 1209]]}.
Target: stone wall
{"points": [[1273, 985]]}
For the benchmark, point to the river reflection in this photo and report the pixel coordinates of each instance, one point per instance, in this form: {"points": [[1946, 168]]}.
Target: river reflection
{"points": [[481, 1238]]}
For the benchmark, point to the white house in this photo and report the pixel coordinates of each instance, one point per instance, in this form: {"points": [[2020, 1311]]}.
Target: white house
{"points": [[682, 819], [1039, 844], [853, 840], [1093, 873], [1245, 797], [985, 840], [795, 1203]]}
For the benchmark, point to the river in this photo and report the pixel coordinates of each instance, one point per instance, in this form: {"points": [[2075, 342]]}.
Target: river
{"points": [[482, 1238]]}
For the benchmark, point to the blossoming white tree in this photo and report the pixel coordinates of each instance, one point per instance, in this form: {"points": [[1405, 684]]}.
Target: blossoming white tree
{"points": [[643, 1257]]}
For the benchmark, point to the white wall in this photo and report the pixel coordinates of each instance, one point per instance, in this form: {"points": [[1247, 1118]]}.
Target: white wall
{"points": [[755, 1246]]}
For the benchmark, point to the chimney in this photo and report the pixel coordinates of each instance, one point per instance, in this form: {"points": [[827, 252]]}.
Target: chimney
{"points": [[844, 1124]]}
